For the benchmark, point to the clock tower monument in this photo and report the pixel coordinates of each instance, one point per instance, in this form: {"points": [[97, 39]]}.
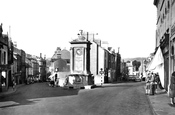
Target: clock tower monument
{"points": [[80, 73]]}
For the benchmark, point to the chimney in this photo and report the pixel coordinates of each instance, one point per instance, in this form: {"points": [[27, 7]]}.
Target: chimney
{"points": [[45, 57], [40, 55]]}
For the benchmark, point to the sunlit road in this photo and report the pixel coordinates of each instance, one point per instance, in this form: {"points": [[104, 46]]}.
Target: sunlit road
{"points": [[112, 99]]}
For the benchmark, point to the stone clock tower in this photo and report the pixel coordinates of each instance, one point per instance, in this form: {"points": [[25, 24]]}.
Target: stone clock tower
{"points": [[80, 73]]}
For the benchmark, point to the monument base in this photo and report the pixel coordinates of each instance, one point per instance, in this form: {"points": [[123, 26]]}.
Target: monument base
{"points": [[79, 81]]}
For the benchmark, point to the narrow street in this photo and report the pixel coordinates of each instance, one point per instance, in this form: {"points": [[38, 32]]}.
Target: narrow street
{"points": [[111, 99]]}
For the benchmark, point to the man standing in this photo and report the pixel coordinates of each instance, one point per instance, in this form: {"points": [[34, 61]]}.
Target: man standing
{"points": [[13, 84], [55, 81], [152, 84]]}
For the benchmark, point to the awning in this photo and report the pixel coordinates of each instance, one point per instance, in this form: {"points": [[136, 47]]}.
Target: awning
{"points": [[157, 60], [157, 65], [14, 57]]}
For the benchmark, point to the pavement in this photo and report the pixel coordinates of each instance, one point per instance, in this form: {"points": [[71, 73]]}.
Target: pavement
{"points": [[160, 102], [10, 90]]}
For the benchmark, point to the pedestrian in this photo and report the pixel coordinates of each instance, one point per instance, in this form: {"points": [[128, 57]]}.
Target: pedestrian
{"points": [[52, 80], [66, 80], [172, 88], [148, 84], [13, 84], [152, 84], [141, 76], [156, 79], [56, 80]]}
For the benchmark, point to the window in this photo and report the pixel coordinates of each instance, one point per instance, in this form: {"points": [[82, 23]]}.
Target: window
{"points": [[4, 57], [165, 11], [0, 57], [168, 5]]}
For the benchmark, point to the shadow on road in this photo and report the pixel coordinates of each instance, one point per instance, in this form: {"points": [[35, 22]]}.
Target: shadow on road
{"points": [[29, 94], [121, 84]]}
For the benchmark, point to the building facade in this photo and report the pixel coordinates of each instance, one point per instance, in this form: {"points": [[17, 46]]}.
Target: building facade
{"points": [[60, 60], [165, 35], [172, 38], [5, 60]]}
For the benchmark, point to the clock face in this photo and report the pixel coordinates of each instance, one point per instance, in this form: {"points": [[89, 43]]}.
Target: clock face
{"points": [[78, 51]]}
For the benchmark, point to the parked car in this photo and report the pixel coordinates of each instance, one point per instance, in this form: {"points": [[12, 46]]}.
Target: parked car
{"points": [[131, 78], [137, 79]]}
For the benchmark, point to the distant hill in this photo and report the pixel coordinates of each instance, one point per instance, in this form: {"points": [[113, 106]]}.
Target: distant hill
{"points": [[132, 59]]}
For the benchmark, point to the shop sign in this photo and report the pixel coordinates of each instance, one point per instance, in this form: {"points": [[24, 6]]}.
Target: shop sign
{"points": [[173, 30], [173, 18]]}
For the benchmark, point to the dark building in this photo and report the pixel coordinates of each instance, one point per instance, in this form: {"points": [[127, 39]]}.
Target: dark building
{"points": [[5, 60], [61, 60], [42, 68], [118, 66], [23, 66]]}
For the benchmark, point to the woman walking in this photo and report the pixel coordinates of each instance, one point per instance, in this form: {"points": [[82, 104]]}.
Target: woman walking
{"points": [[148, 84], [156, 82], [152, 84], [13, 84], [172, 89]]}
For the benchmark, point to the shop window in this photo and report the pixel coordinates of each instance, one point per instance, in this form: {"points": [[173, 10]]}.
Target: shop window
{"points": [[4, 57], [161, 20], [163, 16], [168, 5], [0, 57], [165, 11], [172, 50]]}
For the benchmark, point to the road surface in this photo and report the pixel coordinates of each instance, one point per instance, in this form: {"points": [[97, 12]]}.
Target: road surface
{"points": [[111, 99]]}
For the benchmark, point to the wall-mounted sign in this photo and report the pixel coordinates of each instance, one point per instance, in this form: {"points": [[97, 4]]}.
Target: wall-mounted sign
{"points": [[78, 59]]}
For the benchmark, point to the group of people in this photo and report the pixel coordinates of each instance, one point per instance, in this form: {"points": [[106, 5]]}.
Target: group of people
{"points": [[152, 82], [54, 80]]}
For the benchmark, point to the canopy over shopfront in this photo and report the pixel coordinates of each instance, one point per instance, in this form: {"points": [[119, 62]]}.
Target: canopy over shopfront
{"points": [[157, 65]]}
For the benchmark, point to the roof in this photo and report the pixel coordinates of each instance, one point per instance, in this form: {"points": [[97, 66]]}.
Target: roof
{"points": [[65, 54]]}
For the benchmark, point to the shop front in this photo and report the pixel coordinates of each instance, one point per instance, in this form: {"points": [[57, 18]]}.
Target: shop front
{"points": [[5, 77]]}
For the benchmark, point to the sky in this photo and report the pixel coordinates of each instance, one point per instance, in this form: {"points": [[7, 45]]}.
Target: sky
{"points": [[40, 26]]}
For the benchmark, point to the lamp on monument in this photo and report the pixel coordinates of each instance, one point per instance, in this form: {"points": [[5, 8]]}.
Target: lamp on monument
{"points": [[81, 36]]}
